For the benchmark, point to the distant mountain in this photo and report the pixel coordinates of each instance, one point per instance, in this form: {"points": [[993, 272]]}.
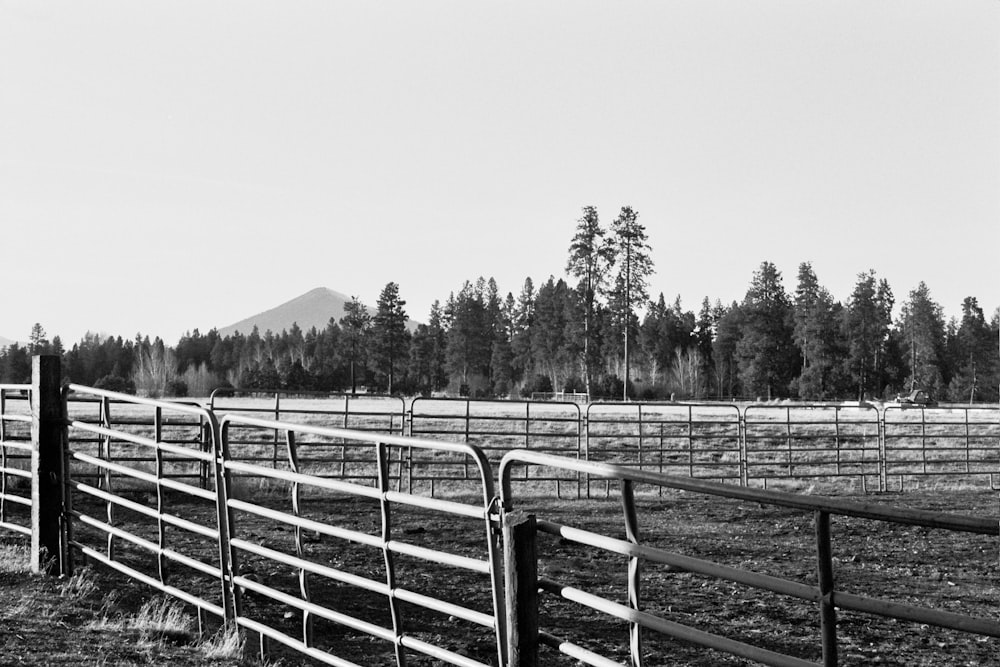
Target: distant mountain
{"points": [[312, 309], [4, 342]]}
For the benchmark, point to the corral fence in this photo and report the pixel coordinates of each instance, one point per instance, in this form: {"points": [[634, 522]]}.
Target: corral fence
{"points": [[876, 447], [697, 440], [751, 445], [261, 547], [335, 457], [15, 457], [815, 442], [497, 427], [522, 532], [957, 441]]}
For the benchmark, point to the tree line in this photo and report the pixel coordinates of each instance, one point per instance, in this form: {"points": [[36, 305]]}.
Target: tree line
{"points": [[598, 333]]}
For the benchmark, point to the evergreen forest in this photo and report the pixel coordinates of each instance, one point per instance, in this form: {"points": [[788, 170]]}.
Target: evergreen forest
{"points": [[598, 331]]}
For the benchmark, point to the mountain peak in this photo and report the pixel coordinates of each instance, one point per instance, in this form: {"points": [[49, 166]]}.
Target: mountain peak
{"points": [[312, 309]]}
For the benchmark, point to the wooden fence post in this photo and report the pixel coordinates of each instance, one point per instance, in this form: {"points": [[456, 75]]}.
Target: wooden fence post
{"points": [[521, 584], [47, 436]]}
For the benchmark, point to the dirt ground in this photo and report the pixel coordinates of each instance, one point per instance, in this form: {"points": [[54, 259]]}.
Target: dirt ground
{"points": [[42, 624]]}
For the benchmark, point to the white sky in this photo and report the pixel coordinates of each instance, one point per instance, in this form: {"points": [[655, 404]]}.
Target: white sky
{"points": [[172, 165]]}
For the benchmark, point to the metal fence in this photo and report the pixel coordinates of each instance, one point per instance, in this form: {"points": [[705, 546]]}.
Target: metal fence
{"points": [[812, 442], [257, 545], [329, 565], [879, 448], [959, 442], [371, 414], [127, 509], [827, 595], [15, 458], [184, 428], [697, 440], [314, 579], [496, 427]]}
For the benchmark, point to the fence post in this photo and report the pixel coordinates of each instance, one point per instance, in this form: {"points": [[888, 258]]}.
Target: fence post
{"points": [[521, 584], [827, 610], [48, 430]]}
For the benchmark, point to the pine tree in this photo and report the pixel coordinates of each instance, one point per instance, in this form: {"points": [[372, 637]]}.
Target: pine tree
{"points": [[973, 353], [704, 335], [502, 356], [428, 354], [469, 339], [37, 343], [554, 351], [865, 328], [520, 340], [923, 332], [728, 332], [667, 334], [590, 256], [630, 291], [355, 324], [816, 335], [389, 337], [766, 350]]}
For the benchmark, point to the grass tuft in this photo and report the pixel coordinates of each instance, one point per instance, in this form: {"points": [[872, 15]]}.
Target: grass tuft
{"points": [[14, 559], [162, 618], [80, 585], [158, 620], [227, 643]]}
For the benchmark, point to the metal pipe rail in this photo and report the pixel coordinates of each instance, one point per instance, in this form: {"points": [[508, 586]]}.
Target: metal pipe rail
{"points": [[699, 440], [356, 412], [15, 459], [496, 427], [126, 416], [810, 441], [137, 497], [375, 412], [943, 441], [824, 594], [313, 574]]}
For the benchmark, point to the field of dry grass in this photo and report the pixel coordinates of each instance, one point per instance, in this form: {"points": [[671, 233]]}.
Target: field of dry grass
{"points": [[98, 618]]}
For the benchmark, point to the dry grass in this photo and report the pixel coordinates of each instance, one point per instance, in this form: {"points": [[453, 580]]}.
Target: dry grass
{"points": [[96, 617], [227, 643], [14, 559]]}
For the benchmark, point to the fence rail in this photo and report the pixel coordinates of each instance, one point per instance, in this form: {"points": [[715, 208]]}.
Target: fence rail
{"points": [[496, 427], [879, 448], [128, 510], [812, 441], [161, 492], [15, 457], [388, 544], [825, 594]]}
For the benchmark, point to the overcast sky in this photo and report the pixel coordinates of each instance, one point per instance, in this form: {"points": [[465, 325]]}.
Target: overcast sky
{"points": [[172, 165]]}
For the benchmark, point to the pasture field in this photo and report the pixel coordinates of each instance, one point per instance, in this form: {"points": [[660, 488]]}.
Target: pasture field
{"points": [[957, 572]]}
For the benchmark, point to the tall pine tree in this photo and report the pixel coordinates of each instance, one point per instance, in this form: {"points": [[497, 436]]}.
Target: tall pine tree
{"points": [[390, 339], [766, 351], [817, 336], [923, 335], [355, 325], [634, 266], [590, 256]]}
